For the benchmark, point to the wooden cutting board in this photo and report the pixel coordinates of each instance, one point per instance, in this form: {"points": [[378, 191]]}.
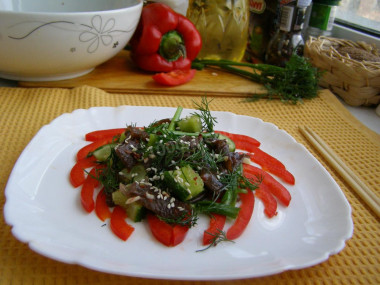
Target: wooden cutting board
{"points": [[119, 75]]}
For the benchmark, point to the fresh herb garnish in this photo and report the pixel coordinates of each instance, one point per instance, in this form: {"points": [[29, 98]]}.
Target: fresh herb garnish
{"points": [[296, 81], [203, 157], [207, 119], [217, 238], [187, 219]]}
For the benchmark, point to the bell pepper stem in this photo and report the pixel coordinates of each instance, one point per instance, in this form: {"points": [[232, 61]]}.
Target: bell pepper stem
{"points": [[172, 46]]}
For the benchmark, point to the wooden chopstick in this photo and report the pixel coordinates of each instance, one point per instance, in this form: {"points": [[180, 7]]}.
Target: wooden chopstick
{"points": [[369, 197]]}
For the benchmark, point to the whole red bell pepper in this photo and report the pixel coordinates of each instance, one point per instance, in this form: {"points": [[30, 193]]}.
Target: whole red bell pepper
{"points": [[164, 40]]}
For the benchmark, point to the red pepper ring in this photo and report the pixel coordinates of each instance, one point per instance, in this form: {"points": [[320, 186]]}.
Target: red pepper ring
{"points": [[164, 40]]}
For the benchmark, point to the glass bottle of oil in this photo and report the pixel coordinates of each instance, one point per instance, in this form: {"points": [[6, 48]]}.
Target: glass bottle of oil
{"points": [[223, 25]]}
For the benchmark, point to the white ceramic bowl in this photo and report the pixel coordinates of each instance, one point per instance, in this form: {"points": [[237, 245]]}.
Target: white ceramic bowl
{"points": [[60, 39]]}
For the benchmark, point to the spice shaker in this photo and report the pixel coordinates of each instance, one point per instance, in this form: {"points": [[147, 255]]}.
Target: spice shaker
{"points": [[223, 25], [288, 37], [322, 18]]}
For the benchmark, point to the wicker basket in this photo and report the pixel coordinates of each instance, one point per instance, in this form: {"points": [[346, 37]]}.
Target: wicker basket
{"points": [[356, 81]]}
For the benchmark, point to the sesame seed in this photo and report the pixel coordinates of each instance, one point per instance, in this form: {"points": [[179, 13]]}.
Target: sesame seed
{"points": [[149, 196], [133, 199]]}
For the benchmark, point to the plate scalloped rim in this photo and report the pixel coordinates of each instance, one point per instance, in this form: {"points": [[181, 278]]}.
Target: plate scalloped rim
{"points": [[64, 136]]}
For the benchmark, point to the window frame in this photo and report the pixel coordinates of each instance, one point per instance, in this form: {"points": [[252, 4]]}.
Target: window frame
{"points": [[343, 32]]}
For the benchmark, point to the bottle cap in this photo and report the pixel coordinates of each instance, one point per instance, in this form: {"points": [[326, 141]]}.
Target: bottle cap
{"points": [[327, 2]]}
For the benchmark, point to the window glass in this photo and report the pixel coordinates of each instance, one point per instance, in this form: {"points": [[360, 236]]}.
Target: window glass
{"points": [[360, 14]]}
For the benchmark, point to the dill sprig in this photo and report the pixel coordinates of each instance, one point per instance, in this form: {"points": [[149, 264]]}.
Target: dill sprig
{"points": [[203, 157], [236, 179], [217, 238], [208, 121], [296, 81], [108, 176], [248, 183], [155, 128], [187, 219]]}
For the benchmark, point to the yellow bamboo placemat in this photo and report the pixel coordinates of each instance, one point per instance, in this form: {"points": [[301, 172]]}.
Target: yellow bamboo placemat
{"points": [[24, 111]]}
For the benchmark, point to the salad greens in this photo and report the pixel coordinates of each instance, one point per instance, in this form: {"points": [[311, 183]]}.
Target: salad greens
{"points": [[176, 168]]}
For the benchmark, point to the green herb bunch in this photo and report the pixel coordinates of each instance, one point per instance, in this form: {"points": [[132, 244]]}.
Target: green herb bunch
{"points": [[296, 81]]}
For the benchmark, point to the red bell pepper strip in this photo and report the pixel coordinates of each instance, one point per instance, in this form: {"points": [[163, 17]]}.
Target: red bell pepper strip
{"points": [[270, 203], [272, 165], [246, 140], [84, 151], [275, 187], [118, 224], [244, 216], [87, 191], [179, 234], [217, 223], [97, 135], [174, 77], [164, 40], [77, 174], [243, 145], [242, 142], [101, 208], [169, 235]]}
